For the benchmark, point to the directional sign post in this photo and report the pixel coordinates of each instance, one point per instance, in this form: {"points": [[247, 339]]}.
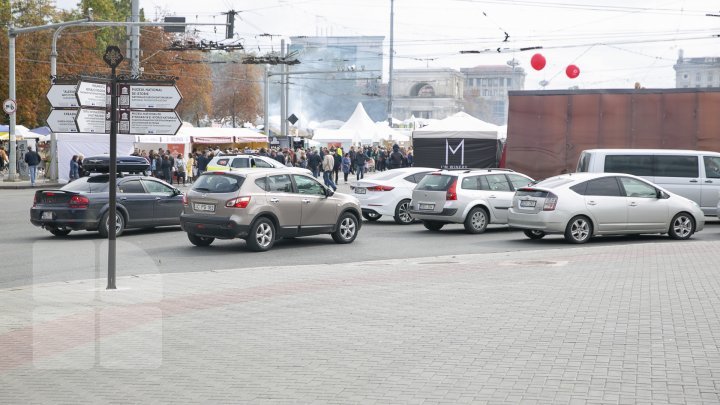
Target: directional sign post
{"points": [[149, 122], [63, 96], [160, 97], [93, 121], [93, 94], [62, 120]]}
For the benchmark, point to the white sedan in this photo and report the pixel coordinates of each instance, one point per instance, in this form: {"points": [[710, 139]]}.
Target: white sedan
{"points": [[389, 193], [583, 205]]}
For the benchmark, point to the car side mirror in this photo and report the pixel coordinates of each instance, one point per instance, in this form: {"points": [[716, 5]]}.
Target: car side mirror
{"points": [[328, 192], [177, 191], [661, 195]]}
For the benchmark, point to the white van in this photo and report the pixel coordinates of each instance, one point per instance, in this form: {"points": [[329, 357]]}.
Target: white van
{"points": [[690, 173]]}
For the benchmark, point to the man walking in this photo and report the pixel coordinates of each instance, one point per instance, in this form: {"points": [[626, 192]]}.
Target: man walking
{"points": [[327, 165], [360, 159], [32, 159]]}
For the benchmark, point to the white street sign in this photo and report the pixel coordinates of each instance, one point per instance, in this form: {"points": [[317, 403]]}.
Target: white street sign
{"points": [[149, 122], [141, 96], [93, 121], [91, 94], [9, 106], [62, 120], [63, 96]]}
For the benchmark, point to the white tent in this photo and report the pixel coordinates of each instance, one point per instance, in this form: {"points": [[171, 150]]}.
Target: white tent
{"points": [[87, 145], [459, 125], [359, 128]]}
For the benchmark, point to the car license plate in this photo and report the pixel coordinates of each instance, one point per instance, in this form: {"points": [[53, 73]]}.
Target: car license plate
{"points": [[360, 190], [527, 203], [47, 215], [426, 206], [204, 207]]}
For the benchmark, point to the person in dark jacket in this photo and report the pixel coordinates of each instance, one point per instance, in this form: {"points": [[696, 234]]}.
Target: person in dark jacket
{"points": [[338, 162], [396, 158], [166, 166], [359, 162], [314, 162], [32, 159]]}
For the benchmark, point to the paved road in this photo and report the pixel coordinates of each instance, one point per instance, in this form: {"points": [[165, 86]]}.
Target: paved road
{"points": [[633, 323], [31, 255]]}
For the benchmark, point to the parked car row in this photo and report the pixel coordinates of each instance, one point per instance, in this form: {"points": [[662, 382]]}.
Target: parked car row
{"points": [[262, 205]]}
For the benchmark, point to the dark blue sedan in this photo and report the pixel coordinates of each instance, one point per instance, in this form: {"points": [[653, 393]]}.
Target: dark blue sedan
{"points": [[142, 202]]}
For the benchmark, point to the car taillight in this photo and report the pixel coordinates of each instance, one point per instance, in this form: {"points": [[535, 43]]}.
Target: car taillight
{"points": [[452, 191], [550, 202], [240, 202], [79, 201], [185, 200], [34, 200], [380, 188]]}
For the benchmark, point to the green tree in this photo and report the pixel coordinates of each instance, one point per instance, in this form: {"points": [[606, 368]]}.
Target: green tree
{"points": [[32, 56], [236, 94], [190, 67]]}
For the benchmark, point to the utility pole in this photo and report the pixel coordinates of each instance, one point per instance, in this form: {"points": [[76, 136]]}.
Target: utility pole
{"points": [[135, 39], [12, 153], [390, 73], [283, 95]]}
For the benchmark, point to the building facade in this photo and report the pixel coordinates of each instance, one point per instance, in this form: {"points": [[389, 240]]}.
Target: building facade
{"points": [[697, 72], [427, 93], [486, 87], [350, 72]]}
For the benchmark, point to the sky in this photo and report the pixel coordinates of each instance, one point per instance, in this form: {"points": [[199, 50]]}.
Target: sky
{"points": [[614, 43]]}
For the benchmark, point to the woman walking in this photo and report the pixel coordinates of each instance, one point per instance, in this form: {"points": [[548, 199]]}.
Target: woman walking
{"points": [[346, 166]]}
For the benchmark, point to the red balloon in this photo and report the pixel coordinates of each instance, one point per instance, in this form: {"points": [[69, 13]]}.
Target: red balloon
{"points": [[572, 71], [537, 61]]}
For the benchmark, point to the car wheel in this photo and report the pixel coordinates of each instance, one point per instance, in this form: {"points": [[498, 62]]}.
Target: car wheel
{"points": [[59, 232], [682, 226], [371, 216], [533, 234], [402, 213], [347, 228], [119, 224], [476, 220], [198, 240], [262, 235], [432, 226], [578, 230]]}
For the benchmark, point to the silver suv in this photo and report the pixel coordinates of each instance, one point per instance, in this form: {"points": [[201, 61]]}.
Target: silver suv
{"points": [[474, 198], [263, 205]]}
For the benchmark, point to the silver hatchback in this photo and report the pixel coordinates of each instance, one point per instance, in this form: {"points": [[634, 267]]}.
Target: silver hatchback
{"points": [[583, 205], [474, 198], [263, 205]]}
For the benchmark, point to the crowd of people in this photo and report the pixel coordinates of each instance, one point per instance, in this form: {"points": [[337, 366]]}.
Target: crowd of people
{"points": [[326, 161]]}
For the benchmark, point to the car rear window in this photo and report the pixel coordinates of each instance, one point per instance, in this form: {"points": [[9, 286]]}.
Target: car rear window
{"points": [[554, 182], [390, 174], [92, 184], [240, 162], [217, 183], [435, 182]]}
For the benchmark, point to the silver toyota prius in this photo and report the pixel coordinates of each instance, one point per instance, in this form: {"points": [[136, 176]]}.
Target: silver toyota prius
{"points": [[583, 205]]}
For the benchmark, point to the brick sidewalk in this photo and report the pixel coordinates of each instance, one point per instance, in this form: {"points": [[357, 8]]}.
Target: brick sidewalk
{"points": [[621, 324]]}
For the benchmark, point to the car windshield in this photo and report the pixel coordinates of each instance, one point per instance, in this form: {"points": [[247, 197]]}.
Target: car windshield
{"points": [[92, 184], [435, 182], [217, 183]]}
